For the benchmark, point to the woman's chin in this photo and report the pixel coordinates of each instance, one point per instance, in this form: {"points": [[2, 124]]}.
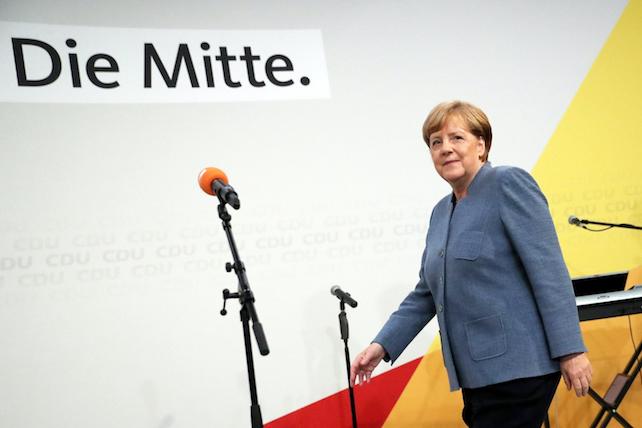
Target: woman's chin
{"points": [[453, 176]]}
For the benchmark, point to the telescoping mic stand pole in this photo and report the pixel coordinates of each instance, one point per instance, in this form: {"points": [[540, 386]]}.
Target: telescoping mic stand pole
{"points": [[248, 311], [343, 326]]}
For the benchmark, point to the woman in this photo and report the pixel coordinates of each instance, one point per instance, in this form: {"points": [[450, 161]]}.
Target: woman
{"points": [[493, 274]]}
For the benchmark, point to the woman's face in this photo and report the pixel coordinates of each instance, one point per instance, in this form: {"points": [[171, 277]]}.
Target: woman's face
{"points": [[456, 153]]}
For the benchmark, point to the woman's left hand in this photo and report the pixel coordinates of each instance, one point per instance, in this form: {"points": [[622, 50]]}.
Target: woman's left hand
{"points": [[576, 371]]}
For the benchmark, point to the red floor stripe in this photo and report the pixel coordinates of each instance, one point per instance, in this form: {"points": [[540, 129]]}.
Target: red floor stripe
{"points": [[374, 402]]}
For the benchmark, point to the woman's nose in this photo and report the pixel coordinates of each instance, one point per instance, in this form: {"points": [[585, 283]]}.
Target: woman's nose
{"points": [[446, 147]]}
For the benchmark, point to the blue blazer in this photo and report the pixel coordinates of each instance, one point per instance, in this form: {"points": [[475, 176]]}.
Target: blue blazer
{"points": [[492, 272]]}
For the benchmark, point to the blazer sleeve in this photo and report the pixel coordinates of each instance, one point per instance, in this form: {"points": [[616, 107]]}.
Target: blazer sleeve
{"points": [[526, 218], [408, 320]]}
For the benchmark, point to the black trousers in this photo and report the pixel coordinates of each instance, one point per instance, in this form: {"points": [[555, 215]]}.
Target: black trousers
{"points": [[519, 403]]}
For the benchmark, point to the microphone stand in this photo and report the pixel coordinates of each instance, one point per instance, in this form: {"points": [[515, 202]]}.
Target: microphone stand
{"points": [[610, 225], [248, 311], [343, 326]]}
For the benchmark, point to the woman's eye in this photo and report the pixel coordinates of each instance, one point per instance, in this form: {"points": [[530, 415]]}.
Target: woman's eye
{"points": [[434, 143]]}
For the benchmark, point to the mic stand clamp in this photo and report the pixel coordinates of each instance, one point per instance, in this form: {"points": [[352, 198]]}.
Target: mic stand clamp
{"points": [[343, 326], [248, 312]]}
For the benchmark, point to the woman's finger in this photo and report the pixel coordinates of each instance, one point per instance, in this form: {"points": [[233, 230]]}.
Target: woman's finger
{"points": [[566, 381], [577, 385]]}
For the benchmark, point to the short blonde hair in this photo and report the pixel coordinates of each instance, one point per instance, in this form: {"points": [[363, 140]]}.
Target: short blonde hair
{"points": [[474, 118]]}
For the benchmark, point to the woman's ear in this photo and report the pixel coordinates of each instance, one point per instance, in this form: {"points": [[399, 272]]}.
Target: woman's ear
{"points": [[481, 148]]}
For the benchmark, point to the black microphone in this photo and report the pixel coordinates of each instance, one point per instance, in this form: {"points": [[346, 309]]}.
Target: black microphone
{"points": [[226, 192], [576, 221], [214, 182], [342, 295]]}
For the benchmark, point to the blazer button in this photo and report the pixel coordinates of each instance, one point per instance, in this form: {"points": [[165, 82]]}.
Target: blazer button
{"points": [[441, 308], [441, 253]]}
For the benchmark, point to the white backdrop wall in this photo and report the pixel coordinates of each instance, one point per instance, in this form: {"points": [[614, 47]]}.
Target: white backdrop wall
{"points": [[111, 259]]}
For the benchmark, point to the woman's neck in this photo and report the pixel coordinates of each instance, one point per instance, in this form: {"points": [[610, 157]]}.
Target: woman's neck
{"points": [[460, 189]]}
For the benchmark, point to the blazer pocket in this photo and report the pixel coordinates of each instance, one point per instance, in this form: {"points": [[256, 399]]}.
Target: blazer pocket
{"points": [[468, 245], [486, 337]]}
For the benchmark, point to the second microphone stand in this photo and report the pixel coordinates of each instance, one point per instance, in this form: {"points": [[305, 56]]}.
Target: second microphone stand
{"points": [[343, 325], [582, 223], [248, 311]]}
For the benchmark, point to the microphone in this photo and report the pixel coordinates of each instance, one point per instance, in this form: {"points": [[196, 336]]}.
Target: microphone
{"points": [[576, 221], [342, 295], [213, 181]]}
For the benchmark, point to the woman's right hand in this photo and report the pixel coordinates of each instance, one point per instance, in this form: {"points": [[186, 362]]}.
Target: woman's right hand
{"points": [[365, 363]]}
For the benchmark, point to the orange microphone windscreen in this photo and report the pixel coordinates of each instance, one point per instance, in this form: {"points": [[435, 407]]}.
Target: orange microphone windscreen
{"points": [[207, 176]]}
